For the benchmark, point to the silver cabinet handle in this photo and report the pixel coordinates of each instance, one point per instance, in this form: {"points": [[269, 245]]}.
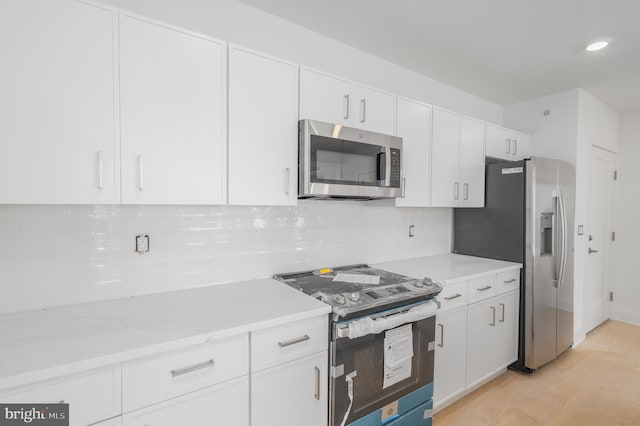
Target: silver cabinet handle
{"points": [[508, 146], [456, 190], [404, 186], [441, 344], [363, 110], [140, 173], [493, 316], [347, 101], [502, 305], [317, 394], [592, 250], [515, 147], [192, 368], [100, 170], [286, 181], [455, 296], [294, 341], [465, 191], [512, 280], [485, 288]]}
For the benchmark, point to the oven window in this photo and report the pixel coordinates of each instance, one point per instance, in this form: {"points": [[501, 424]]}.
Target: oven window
{"points": [[344, 162], [366, 355]]}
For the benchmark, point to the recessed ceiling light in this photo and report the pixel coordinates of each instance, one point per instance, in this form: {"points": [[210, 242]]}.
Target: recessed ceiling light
{"points": [[597, 45]]}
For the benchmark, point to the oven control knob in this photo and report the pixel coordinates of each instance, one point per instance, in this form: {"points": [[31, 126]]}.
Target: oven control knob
{"points": [[428, 282], [417, 284], [340, 299], [354, 297]]}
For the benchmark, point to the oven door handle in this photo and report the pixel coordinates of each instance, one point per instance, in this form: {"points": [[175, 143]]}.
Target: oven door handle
{"points": [[369, 325]]}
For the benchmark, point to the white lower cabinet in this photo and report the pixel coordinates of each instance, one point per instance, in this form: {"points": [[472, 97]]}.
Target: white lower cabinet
{"points": [[450, 359], [291, 394], [507, 328], [224, 404]]}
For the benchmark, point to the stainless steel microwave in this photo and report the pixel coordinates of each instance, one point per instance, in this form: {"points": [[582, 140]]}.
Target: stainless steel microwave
{"points": [[342, 162]]}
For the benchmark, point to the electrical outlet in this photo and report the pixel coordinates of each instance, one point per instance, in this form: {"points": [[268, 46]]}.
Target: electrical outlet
{"points": [[142, 244]]}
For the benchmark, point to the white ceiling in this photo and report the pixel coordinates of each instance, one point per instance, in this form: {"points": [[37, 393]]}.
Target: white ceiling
{"points": [[503, 50]]}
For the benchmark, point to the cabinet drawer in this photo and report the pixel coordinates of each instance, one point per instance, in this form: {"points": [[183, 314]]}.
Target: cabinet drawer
{"points": [[482, 288], [149, 380], [285, 343], [92, 396], [452, 296], [508, 281]]}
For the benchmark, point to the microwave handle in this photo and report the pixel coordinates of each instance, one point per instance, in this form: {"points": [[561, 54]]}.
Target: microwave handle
{"points": [[381, 166]]}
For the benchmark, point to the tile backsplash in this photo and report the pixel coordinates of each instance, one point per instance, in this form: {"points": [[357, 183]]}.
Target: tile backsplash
{"points": [[60, 255]]}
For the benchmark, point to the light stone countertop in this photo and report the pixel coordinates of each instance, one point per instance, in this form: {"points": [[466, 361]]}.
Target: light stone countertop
{"points": [[448, 268], [43, 344]]}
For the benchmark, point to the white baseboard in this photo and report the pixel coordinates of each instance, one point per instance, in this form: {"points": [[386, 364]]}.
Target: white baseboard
{"points": [[626, 316]]}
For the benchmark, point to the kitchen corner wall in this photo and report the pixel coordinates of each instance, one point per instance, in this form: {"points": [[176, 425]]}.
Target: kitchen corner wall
{"points": [[59, 255]]}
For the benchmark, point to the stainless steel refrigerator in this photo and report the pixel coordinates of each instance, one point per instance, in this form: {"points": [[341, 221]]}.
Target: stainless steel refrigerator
{"points": [[529, 218]]}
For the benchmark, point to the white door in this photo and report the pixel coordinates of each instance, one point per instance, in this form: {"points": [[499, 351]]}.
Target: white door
{"points": [[471, 172], [450, 358], [173, 115], [325, 98], [598, 232], [224, 404], [507, 329], [445, 146], [521, 145], [374, 110], [263, 131], [58, 103], [481, 341], [414, 127], [291, 394], [498, 142]]}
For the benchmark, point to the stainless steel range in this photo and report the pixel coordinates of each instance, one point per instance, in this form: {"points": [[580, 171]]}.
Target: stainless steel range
{"points": [[382, 343]]}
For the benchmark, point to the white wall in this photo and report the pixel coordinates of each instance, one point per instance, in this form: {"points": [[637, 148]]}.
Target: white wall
{"points": [[576, 121], [58, 255], [238, 23], [626, 250]]}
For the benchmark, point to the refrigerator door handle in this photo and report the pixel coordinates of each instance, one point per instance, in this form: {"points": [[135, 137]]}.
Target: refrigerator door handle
{"points": [[555, 240], [563, 238]]}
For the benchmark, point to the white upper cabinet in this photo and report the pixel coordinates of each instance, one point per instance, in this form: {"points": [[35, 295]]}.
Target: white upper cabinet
{"points": [[324, 97], [472, 134], [375, 110], [173, 114], [327, 98], [263, 131], [58, 103], [414, 127], [457, 171], [507, 144]]}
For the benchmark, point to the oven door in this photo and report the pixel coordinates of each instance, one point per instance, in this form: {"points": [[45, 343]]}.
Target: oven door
{"points": [[358, 385]]}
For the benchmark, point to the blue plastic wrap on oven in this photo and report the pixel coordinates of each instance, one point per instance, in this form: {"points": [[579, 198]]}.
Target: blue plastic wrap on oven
{"points": [[415, 405]]}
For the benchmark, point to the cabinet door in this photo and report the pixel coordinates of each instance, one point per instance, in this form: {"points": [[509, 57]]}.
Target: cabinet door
{"points": [[481, 341], [291, 394], [414, 127], [472, 133], [498, 142], [225, 404], [374, 110], [173, 110], [445, 185], [507, 329], [263, 131], [450, 359], [521, 145], [58, 103], [325, 98]]}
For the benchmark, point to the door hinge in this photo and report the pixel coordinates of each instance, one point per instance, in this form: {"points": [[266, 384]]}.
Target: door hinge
{"points": [[615, 175], [610, 296], [613, 236]]}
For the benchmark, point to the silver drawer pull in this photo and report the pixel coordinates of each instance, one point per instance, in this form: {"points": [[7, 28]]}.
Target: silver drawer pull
{"points": [[185, 370], [455, 296], [294, 341], [513, 280], [484, 288]]}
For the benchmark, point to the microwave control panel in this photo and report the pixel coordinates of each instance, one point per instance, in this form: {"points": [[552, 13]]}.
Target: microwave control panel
{"points": [[394, 178]]}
